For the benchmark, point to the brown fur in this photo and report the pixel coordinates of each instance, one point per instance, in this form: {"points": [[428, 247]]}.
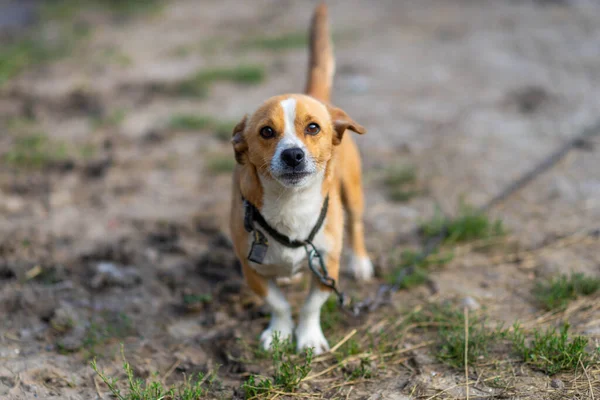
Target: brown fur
{"points": [[339, 159]]}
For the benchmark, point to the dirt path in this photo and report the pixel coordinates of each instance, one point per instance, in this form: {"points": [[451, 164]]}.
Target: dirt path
{"points": [[120, 233]]}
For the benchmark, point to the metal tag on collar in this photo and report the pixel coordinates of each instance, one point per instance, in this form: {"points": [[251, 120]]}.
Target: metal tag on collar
{"points": [[259, 247]]}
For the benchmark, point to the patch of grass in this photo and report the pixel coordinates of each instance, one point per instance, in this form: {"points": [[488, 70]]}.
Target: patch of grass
{"points": [[553, 351], [400, 183], [363, 370], [286, 41], [470, 224], [22, 54], [288, 370], [421, 264], [331, 317], [35, 151], [220, 164], [449, 324], [190, 122], [68, 9], [107, 327], [222, 130], [113, 119], [153, 389], [198, 85], [556, 293]]}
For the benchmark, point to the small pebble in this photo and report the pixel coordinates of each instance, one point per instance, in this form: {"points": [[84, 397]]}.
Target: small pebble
{"points": [[557, 384]]}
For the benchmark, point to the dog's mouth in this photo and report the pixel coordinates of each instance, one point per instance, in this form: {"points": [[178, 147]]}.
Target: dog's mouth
{"points": [[293, 178]]}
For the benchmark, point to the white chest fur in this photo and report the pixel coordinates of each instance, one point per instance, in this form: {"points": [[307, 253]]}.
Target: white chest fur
{"points": [[294, 213]]}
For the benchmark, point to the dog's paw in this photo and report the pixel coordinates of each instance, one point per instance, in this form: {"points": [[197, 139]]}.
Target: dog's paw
{"points": [[361, 268], [310, 335], [280, 327]]}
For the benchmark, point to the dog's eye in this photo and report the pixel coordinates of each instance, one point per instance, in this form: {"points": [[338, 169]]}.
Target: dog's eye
{"points": [[312, 129], [267, 132]]}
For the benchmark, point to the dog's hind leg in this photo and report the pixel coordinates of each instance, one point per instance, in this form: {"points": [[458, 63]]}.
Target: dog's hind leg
{"points": [[353, 200]]}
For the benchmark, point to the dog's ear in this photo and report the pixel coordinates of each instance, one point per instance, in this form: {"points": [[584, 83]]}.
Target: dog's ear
{"points": [[341, 121], [240, 146]]}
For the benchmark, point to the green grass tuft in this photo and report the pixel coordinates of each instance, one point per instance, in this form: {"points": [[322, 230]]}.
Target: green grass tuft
{"points": [[293, 40], [22, 54], [222, 130], [289, 370], [470, 224], [220, 164], [243, 74], [552, 351], [556, 293], [400, 183], [421, 265], [154, 389], [190, 122], [331, 317], [35, 151], [450, 326]]}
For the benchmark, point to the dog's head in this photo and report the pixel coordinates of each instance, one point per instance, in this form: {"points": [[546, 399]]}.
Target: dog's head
{"points": [[291, 138]]}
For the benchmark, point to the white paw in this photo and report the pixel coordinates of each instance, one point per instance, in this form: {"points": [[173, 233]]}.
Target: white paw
{"points": [[361, 268], [310, 335], [281, 327]]}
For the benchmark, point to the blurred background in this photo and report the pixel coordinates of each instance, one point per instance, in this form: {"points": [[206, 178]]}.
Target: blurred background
{"points": [[115, 164]]}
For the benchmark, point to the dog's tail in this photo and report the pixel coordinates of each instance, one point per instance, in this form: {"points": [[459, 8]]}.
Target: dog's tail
{"points": [[321, 66]]}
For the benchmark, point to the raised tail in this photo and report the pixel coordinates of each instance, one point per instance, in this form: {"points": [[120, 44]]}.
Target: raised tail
{"points": [[321, 66]]}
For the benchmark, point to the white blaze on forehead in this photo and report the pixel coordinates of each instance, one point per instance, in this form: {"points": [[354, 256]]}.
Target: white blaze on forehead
{"points": [[289, 117], [289, 114]]}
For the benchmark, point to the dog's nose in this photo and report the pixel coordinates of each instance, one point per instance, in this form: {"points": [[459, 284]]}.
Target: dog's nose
{"points": [[293, 157]]}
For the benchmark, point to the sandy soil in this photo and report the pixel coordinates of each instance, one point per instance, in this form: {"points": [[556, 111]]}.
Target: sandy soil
{"points": [[104, 249]]}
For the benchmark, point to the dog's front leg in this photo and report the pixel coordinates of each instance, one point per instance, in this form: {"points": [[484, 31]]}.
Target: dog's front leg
{"points": [[281, 315], [309, 332], [281, 324]]}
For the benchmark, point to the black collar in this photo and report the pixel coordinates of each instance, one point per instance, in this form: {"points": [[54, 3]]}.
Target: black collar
{"points": [[252, 215]]}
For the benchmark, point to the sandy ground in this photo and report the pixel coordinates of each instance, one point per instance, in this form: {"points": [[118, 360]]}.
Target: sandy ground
{"points": [[470, 93]]}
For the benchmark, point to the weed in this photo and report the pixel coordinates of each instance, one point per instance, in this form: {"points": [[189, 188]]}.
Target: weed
{"points": [[470, 224], [190, 122], [195, 300], [22, 54], [363, 370], [556, 293], [293, 40], [552, 351], [289, 371], [68, 9], [421, 265], [400, 183], [220, 164], [108, 326], [243, 74], [331, 317], [139, 389], [113, 119], [35, 151], [351, 348], [255, 387], [450, 326]]}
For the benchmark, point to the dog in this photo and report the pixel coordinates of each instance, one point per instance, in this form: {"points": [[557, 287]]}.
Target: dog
{"points": [[296, 173]]}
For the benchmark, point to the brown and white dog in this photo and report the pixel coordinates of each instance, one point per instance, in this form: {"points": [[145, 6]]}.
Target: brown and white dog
{"points": [[292, 154]]}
